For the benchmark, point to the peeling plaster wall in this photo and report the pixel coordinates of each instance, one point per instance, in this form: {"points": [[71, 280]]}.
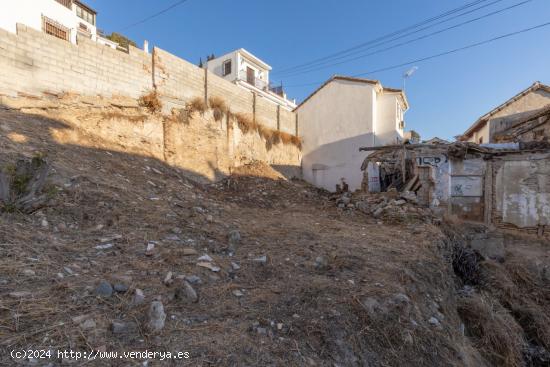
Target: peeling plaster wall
{"points": [[440, 170], [523, 191], [466, 188]]}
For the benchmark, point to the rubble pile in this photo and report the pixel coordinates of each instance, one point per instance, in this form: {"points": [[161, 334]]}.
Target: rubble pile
{"points": [[391, 206]]}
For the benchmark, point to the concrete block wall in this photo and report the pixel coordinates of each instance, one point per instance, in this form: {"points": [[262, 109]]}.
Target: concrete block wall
{"points": [[239, 100], [266, 113], [287, 121], [176, 79], [33, 62]]}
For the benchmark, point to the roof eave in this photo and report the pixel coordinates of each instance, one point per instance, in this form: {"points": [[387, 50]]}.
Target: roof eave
{"points": [[255, 59]]}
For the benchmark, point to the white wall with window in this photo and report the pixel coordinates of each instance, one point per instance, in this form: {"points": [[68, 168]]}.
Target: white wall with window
{"points": [[56, 17], [247, 71]]}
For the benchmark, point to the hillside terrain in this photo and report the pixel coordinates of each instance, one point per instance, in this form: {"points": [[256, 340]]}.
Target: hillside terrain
{"points": [[131, 254]]}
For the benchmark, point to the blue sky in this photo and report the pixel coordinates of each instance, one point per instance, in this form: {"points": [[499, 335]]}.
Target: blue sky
{"points": [[446, 94]]}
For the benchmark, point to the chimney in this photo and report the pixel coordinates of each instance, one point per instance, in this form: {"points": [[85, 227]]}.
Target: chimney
{"points": [[146, 46]]}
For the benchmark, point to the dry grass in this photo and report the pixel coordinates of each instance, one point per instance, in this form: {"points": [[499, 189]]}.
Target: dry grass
{"points": [[495, 332], [197, 104], [151, 101], [246, 123], [271, 136], [113, 115], [219, 107], [514, 285]]}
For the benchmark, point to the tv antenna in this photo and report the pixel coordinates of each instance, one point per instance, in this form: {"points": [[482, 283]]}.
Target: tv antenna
{"points": [[408, 74]]}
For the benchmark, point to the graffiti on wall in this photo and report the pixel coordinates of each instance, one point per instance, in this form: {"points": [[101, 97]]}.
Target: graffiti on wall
{"points": [[471, 186], [433, 161]]}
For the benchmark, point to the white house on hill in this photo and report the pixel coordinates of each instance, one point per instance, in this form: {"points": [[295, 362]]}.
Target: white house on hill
{"points": [[341, 116], [249, 72], [63, 19]]}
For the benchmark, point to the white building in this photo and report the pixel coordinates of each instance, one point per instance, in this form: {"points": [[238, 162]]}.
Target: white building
{"points": [[64, 19], [341, 116], [249, 72]]}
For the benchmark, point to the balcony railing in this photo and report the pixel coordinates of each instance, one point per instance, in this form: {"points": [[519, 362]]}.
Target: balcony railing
{"points": [[256, 82], [66, 3]]}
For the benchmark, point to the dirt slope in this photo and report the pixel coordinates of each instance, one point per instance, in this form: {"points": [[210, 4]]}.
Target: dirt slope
{"points": [[303, 283]]}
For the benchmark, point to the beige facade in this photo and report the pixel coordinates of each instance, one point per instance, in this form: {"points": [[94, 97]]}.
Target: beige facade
{"points": [[508, 114]]}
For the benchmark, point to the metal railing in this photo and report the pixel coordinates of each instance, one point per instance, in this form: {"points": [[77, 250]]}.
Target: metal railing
{"points": [[256, 82]]}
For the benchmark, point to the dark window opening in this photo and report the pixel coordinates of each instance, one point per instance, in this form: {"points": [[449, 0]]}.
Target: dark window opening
{"points": [[226, 67]]}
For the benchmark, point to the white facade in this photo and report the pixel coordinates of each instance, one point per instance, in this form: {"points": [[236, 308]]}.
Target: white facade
{"points": [[70, 15], [339, 118], [248, 71]]}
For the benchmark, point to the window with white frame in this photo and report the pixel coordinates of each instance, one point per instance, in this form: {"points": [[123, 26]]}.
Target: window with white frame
{"points": [[85, 14], [226, 67]]}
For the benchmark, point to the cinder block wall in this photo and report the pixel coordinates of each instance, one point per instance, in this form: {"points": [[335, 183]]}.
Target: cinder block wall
{"points": [[266, 113], [238, 99], [288, 122], [176, 79], [34, 62]]}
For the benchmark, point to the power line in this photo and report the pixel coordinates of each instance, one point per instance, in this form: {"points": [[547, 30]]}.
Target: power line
{"points": [[437, 55], [361, 56], [181, 2], [381, 38]]}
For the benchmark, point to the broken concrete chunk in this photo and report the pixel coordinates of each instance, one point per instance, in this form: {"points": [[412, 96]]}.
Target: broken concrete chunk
{"points": [[157, 317], [104, 289], [189, 252], [168, 278], [121, 288], [139, 297], [234, 237], [321, 263], [209, 265], [238, 293], [104, 247], [261, 260], [193, 279], [150, 249], [29, 273], [88, 324], [205, 258], [187, 293]]}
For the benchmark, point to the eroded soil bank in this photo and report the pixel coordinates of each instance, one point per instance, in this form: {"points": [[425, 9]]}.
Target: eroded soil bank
{"points": [[254, 270]]}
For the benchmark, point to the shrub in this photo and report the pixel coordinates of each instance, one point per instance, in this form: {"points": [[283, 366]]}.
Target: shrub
{"points": [[197, 104], [151, 101], [246, 123], [219, 107]]}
